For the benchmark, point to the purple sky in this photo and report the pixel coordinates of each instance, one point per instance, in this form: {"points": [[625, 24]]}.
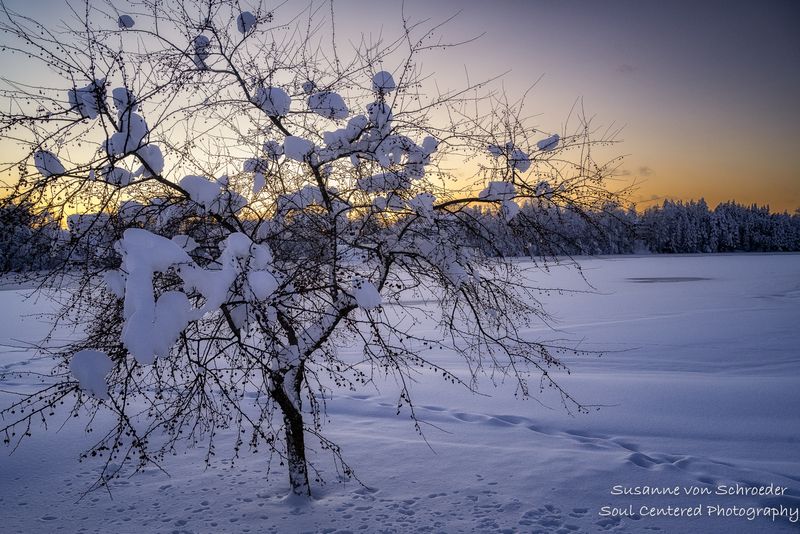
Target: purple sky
{"points": [[706, 91]]}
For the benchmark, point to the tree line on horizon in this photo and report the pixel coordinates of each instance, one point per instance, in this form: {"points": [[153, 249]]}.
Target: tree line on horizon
{"points": [[34, 240], [674, 227]]}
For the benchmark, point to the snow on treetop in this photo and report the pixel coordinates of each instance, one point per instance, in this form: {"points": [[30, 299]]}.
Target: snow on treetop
{"points": [[115, 283], [390, 202], [301, 199], [125, 22], [343, 138], [519, 160], [380, 114], [297, 148], [390, 151], [422, 203], [259, 181], [549, 143], [239, 255], [132, 212], [394, 147], [259, 167], [211, 195], [309, 87], [356, 125], [495, 150], [544, 189], [273, 149], [443, 256], [132, 130], [498, 191], [228, 202], [88, 100], [115, 176], [262, 284], [383, 82], [509, 209], [47, 164], [260, 256], [200, 189], [328, 104], [255, 165], [274, 101], [153, 159], [153, 327], [366, 295], [82, 223], [430, 145], [201, 45], [124, 99], [237, 245], [384, 181], [90, 368], [245, 22]]}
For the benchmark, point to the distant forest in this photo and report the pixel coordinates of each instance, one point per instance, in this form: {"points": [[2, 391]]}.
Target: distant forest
{"points": [[36, 241], [673, 227]]}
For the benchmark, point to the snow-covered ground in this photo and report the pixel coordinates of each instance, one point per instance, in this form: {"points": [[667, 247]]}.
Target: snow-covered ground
{"points": [[700, 386]]}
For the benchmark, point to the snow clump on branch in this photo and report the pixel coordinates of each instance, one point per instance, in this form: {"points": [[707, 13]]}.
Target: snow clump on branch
{"points": [[274, 101], [328, 104], [498, 191], [88, 101], [245, 22], [152, 326], [48, 164], [125, 22], [548, 144], [201, 45], [212, 196], [90, 368], [517, 158], [383, 83]]}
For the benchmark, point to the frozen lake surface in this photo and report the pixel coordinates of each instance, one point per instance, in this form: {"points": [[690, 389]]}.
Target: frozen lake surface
{"points": [[700, 387]]}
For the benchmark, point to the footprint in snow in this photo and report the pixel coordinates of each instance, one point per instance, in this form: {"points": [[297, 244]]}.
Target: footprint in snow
{"points": [[608, 523]]}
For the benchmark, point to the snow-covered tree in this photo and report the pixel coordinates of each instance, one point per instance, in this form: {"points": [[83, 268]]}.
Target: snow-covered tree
{"points": [[30, 239], [245, 199]]}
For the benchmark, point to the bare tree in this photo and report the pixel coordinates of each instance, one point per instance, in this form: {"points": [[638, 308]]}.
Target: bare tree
{"points": [[245, 199]]}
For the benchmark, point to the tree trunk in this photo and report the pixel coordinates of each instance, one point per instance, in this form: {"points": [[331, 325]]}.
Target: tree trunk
{"points": [[296, 452], [295, 438]]}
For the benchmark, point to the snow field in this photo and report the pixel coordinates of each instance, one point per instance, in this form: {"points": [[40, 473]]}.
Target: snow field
{"points": [[699, 387]]}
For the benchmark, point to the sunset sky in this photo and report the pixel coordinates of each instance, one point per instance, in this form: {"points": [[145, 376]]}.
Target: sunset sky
{"points": [[706, 92]]}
